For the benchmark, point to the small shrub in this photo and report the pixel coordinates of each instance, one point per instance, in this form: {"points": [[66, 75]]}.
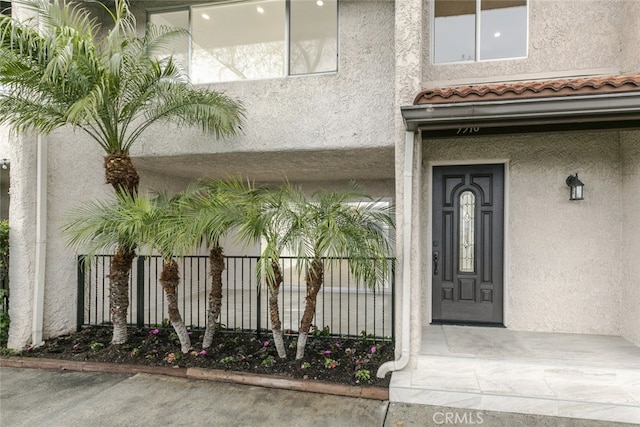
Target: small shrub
{"points": [[96, 346], [324, 332], [330, 363], [363, 375], [4, 320], [268, 361], [228, 360], [4, 293]]}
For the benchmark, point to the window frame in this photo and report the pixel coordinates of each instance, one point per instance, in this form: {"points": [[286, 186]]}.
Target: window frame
{"points": [[5, 6], [287, 38], [477, 45]]}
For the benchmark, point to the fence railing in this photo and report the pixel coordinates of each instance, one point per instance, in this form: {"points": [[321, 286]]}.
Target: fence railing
{"points": [[345, 307]]}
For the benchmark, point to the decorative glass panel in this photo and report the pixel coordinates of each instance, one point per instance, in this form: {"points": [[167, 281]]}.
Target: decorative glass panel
{"points": [[467, 232]]}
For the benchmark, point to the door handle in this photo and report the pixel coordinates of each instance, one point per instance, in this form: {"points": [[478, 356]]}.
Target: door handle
{"points": [[435, 262]]}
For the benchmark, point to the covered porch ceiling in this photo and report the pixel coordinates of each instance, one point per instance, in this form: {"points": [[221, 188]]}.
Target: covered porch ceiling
{"points": [[360, 164]]}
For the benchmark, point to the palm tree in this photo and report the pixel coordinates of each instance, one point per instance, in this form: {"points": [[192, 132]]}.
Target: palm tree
{"points": [[112, 87], [267, 218], [210, 210], [145, 221], [330, 225]]}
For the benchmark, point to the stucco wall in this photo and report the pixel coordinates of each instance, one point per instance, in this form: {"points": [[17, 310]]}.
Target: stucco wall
{"points": [[348, 109], [630, 52], [562, 36], [630, 301], [563, 258]]}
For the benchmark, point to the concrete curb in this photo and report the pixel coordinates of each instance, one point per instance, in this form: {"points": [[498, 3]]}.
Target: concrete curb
{"points": [[267, 381]]}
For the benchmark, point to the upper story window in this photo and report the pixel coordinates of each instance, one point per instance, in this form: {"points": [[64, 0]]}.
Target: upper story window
{"points": [[479, 30], [5, 7], [248, 40]]}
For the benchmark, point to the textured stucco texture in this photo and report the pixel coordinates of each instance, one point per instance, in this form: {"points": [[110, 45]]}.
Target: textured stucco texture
{"points": [[564, 259]]}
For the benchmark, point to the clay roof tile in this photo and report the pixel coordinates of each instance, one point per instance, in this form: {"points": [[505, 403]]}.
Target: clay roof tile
{"points": [[530, 89]]}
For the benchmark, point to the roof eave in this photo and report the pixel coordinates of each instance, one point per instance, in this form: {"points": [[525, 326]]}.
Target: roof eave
{"points": [[527, 111]]}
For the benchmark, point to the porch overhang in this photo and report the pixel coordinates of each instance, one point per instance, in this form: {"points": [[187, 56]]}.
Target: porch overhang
{"points": [[526, 115]]}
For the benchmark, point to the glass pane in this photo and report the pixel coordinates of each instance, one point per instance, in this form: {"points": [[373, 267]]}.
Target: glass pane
{"points": [[503, 29], [238, 41], [314, 36], [179, 47], [454, 30], [467, 232]]}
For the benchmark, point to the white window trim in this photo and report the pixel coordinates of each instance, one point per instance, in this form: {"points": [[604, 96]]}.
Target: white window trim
{"points": [[477, 35]]}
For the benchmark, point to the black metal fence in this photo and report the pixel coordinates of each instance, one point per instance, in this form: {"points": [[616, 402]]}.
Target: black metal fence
{"points": [[344, 307]]}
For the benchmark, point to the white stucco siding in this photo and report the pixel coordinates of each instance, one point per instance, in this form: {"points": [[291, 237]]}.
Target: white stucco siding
{"points": [[21, 151], [353, 108], [75, 175], [564, 268], [630, 52], [630, 301], [562, 36]]}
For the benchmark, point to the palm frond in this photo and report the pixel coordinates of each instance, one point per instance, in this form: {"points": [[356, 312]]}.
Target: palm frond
{"points": [[112, 87]]}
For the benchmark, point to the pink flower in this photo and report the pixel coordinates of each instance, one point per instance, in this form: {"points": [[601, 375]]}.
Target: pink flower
{"points": [[327, 352], [76, 346], [202, 353], [154, 331], [265, 344], [373, 349]]}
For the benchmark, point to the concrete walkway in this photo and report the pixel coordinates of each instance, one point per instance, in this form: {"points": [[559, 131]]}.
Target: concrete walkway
{"points": [[38, 397], [593, 377]]}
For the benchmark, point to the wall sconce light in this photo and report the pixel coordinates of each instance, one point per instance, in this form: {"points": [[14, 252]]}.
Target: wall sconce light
{"points": [[4, 164], [576, 187]]}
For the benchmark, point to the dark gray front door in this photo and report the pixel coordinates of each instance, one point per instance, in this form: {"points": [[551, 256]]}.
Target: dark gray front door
{"points": [[467, 248]]}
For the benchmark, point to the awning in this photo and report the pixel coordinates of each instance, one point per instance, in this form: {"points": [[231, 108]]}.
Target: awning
{"points": [[602, 103]]}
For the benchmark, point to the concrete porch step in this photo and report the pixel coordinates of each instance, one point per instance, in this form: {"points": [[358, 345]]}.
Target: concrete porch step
{"points": [[522, 386]]}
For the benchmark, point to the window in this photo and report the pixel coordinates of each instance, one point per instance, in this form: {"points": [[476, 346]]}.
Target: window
{"points": [[249, 40], [5, 7], [479, 30]]}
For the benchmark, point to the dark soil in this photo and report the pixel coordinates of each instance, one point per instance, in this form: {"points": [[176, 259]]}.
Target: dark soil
{"points": [[350, 361]]}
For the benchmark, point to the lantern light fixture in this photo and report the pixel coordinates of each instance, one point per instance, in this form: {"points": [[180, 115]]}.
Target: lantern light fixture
{"points": [[576, 187]]}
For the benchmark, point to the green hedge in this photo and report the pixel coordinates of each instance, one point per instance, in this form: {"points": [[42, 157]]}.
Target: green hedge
{"points": [[4, 280]]}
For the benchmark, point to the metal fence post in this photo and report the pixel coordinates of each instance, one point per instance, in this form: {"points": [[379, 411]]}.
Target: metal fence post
{"points": [[140, 291], [259, 310], [80, 301]]}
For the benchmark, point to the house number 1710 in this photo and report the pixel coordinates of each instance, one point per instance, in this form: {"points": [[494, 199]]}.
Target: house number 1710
{"points": [[462, 131]]}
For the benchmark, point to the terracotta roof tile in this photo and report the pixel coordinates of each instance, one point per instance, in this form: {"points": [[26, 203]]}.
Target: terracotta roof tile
{"points": [[531, 89]]}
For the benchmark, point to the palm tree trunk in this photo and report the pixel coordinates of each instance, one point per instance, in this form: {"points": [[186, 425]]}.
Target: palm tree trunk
{"points": [[216, 260], [314, 280], [169, 279], [122, 175], [274, 310], [120, 269]]}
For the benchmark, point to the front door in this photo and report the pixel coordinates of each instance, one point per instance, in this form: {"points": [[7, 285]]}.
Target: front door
{"points": [[467, 247]]}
